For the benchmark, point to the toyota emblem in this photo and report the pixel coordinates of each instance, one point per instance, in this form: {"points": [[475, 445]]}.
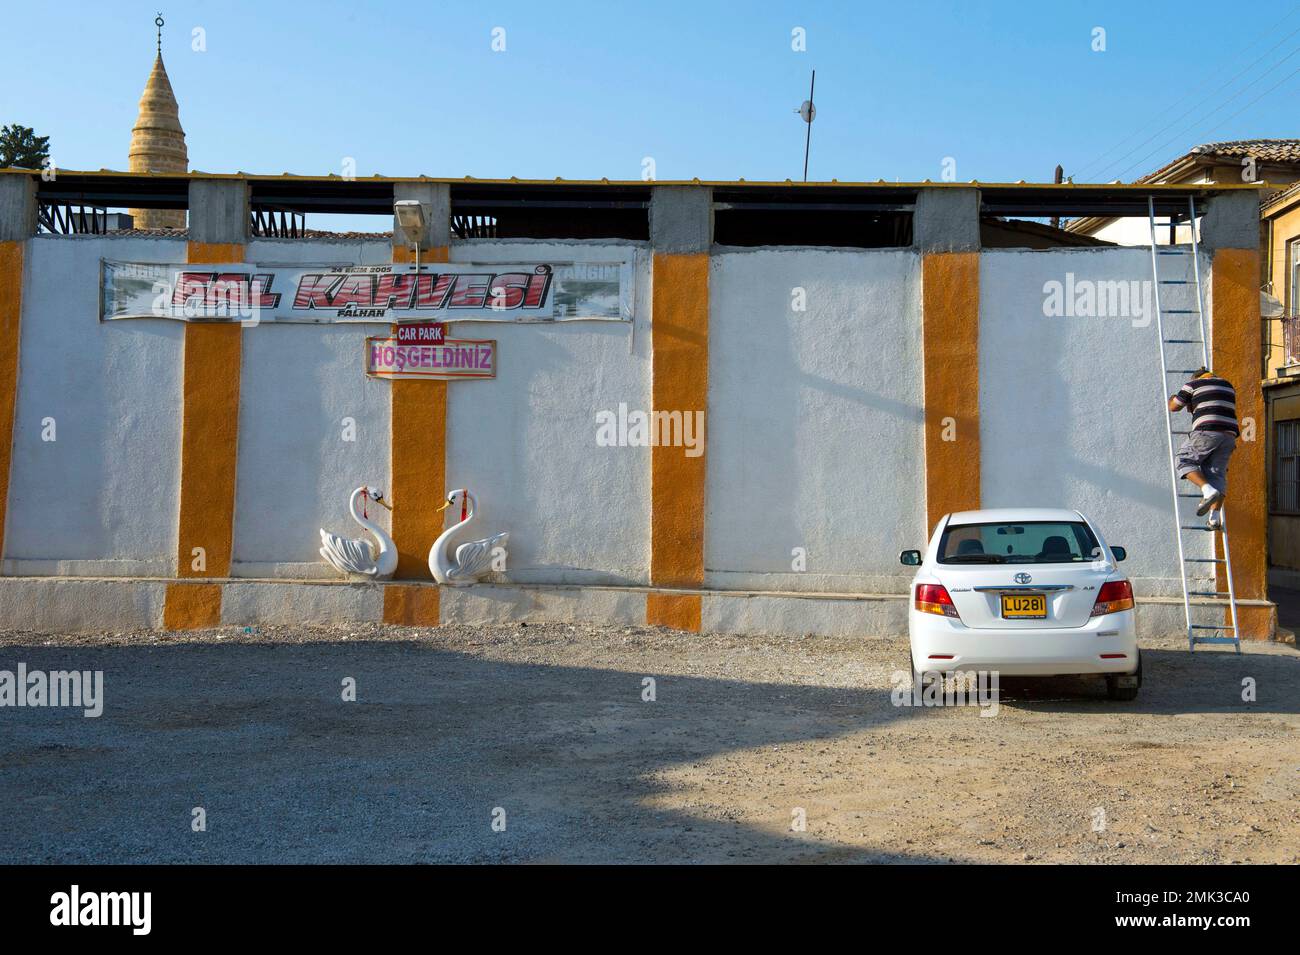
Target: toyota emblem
{"points": [[1023, 578]]}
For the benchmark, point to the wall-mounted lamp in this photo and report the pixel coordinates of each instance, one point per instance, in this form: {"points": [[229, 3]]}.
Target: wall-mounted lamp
{"points": [[410, 219]]}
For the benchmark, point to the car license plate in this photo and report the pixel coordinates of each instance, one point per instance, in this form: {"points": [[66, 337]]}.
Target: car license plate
{"points": [[1024, 606]]}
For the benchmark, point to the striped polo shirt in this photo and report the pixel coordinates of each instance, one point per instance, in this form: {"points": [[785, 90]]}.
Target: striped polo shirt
{"points": [[1213, 403]]}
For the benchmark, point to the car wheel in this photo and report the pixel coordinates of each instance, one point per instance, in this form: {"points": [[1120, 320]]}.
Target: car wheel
{"points": [[1128, 689], [917, 675]]}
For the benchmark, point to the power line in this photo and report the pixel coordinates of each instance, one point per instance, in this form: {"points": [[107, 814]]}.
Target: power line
{"points": [[1200, 103], [1256, 100], [1226, 103], [1083, 171]]}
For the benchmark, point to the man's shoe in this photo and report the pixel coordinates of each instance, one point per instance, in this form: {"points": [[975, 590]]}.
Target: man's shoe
{"points": [[1207, 500], [1214, 522]]}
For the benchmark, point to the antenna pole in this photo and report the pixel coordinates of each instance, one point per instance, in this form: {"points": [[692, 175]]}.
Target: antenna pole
{"points": [[1058, 178], [808, 139]]}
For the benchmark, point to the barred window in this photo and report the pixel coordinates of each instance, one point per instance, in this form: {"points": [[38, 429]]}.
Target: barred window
{"points": [[1286, 464], [1291, 311]]}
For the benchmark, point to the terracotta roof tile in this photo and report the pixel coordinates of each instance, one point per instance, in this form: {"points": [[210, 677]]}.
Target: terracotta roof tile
{"points": [[1269, 201], [1264, 150]]}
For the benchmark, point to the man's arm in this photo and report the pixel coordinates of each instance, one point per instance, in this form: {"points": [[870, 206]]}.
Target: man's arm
{"points": [[1177, 402]]}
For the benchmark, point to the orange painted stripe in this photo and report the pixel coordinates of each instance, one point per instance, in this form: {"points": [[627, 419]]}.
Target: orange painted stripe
{"points": [[412, 605], [418, 457], [192, 606], [11, 301], [677, 611], [680, 382], [209, 449], [950, 284], [1236, 338]]}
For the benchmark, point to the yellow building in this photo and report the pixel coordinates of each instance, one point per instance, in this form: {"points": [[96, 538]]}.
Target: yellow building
{"points": [[1280, 217]]}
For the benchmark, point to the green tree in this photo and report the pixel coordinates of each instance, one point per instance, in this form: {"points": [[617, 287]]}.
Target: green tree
{"points": [[20, 146]]}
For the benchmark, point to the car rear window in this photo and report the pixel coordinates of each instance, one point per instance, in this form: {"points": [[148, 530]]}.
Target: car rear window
{"points": [[1021, 542]]}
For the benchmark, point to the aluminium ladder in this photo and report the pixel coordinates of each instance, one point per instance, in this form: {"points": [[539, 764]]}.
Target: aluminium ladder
{"points": [[1213, 633]]}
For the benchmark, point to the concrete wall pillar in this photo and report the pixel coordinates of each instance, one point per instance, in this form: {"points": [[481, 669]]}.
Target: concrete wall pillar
{"points": [[1231, 221], [17, 208], [435, 199], [17, 223], [681, 232], [947, 219], [681, 219], [1230, 233], [219, 230], [219, 211], [418, 437], [946, 230]]}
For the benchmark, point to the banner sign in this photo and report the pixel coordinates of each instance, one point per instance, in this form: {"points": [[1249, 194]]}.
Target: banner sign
{"points": [[252, 294], [422, 333], [454, 358]]}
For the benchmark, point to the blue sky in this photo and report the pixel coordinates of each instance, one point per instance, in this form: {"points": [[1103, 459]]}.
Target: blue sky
{"points": [[585, 90]]}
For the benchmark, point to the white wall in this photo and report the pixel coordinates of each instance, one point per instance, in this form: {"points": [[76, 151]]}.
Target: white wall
{"points": [[102, 499], [297, 385], [814, 419], [1136, 230], [1071, 407], [525, 442]]}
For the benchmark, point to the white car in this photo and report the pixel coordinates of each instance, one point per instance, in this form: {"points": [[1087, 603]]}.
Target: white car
{"points": [[1024, 592]]}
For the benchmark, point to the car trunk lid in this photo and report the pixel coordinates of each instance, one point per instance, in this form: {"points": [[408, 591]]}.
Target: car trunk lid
{"points": [[1069, 591]]}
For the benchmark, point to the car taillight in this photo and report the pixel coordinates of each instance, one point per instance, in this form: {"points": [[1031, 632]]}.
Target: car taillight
{"points": [[1114, 596], [933, 598]]}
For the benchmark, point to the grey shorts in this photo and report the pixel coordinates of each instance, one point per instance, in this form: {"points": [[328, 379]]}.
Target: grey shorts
{"points": [[1207, 452]]}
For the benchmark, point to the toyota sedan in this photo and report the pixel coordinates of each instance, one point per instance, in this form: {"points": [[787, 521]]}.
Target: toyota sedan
{"points": [[1025, 592]]}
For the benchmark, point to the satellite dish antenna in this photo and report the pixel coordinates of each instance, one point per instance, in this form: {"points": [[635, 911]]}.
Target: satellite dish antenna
{"points": [[808, 112]]}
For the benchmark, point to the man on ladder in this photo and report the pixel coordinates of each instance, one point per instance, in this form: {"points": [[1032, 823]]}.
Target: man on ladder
{"points": [[1203, 457]]}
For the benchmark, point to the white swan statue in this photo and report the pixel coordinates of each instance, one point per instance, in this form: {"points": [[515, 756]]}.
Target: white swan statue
{"points": [[473, 558], [356, 556]]}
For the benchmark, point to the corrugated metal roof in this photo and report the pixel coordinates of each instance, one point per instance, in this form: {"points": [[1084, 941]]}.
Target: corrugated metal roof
{"points": [[728, 183]]}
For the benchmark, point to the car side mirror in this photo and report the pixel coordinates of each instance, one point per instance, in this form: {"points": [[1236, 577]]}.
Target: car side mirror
{"points": [[910, 558], [1120, 553]]}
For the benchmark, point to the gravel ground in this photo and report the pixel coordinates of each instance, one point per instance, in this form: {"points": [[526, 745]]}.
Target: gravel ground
{"points": [[548, 724]]}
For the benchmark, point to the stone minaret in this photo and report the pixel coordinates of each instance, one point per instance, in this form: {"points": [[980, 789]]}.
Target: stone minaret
{"points": [[158, 142]]}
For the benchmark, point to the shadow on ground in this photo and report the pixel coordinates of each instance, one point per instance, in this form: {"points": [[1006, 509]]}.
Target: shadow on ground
{"points": [[1174, 682], [259, 737]]}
